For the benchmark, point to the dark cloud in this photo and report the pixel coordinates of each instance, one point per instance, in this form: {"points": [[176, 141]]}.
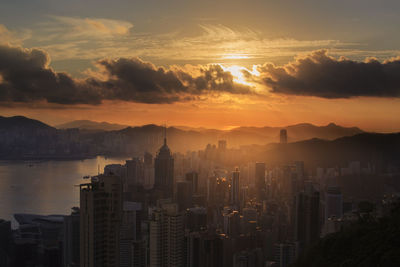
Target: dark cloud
{"points": [[25, 76], [321, 75]]}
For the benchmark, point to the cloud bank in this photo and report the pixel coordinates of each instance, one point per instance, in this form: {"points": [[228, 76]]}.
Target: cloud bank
{"points": [[318, 74], [25, 76]]}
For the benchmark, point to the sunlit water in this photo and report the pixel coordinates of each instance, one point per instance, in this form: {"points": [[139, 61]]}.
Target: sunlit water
{"points": [[44, 187]]}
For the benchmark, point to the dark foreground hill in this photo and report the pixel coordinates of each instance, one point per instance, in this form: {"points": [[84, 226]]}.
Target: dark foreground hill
{"points": [[373, 242]]}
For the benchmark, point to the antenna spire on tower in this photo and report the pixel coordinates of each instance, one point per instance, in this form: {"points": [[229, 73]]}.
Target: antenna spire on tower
{"points": [[165, 134]]}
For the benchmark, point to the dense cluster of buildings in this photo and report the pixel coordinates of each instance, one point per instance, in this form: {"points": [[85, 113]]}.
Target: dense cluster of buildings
{"points": [[193, 210]]}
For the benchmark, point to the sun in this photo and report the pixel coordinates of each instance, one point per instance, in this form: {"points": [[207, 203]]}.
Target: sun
{"points": [[238, 73]]}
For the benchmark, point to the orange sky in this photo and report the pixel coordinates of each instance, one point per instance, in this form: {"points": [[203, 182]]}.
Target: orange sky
{"points": [[273, 42], [270, 112]]}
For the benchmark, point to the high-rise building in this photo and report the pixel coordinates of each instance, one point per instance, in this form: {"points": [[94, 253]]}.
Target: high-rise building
{"points": [[222, 145], [148, 171], [184, 195], [284, 254], [193, 178], [5, 242], [204, 249], [231, 222], [196, 219], [71, 239], [283, 136], [260, 180], [167, 237], [134, 172], [235, 188], [306, 220], [333, 203], [132, 252], [100, 220], [164, 170], [148, 158]]}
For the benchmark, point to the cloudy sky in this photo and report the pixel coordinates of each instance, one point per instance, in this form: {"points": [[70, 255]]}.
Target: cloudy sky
{"points": [[216, 64]]}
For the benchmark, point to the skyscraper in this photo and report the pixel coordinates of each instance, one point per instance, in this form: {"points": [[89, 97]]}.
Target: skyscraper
{"points": [[135, 172], [164, 170], [235, 188], [132, 252], [260, 180], [100, 219], [167, 237], [222, 145], [307, 226], [184, 195], [148, 171], [333, 203], [193, 178], [71, 239], [283, 136]]}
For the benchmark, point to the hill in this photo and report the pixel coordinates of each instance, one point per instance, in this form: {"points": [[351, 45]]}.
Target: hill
{"points": [[91, 125], [373, 242]]}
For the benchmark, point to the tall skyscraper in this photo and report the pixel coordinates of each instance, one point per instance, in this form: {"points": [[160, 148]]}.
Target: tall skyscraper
{"points": [[260, 180], [283, 136], [71, 239], [222, 145], [167, 237], [135, 172], [132, 251], [193, 178], [164, 170], [307, 226], [235, 188], [184, 195], [284, 254], [333, 203], [100, 219]]}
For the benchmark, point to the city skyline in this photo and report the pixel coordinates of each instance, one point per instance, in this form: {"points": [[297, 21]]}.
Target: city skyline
{"points": [[215, 65]]}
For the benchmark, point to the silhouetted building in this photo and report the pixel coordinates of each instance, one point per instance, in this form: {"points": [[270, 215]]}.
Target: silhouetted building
{"points": [[132, 251], [164, 170], [184, 195], [148, 171], [196, 219], [235, 188], [285, 254], [100, 221], [222, 145], [333, 203], [167, 237], [71, 239], [148, 158], [260, 180], [307, 215], [135, 172], [283, 136], [193, 178], [5, 242]]}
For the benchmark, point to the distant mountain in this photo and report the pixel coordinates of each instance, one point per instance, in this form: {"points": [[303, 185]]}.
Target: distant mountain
{"points": [[314, 152], [91, 125], [182, 138], [24, 137], [303, 131], [22, 123]]}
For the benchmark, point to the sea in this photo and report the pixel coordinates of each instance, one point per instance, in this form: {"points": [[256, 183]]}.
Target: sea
{"points": [[45, 187]]}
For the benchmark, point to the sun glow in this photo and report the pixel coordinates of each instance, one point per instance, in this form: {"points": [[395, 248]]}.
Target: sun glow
{"points": [[239, 73]]}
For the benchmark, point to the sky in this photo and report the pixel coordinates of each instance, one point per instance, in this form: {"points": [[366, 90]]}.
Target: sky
{"points": [[217, 64]]}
